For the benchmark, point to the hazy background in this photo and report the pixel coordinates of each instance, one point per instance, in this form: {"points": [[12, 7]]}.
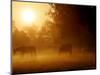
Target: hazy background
{"points": [[68, 25]]}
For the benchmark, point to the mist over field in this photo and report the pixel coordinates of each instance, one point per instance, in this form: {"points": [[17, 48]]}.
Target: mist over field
{"points": [[53, 61], [52, 37]]}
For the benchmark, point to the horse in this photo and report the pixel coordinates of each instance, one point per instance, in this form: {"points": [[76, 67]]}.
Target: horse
{"points": [[65, 48], [25, 50]]}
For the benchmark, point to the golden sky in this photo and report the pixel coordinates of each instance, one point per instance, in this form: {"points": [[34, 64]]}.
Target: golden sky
{"points": [[29, 14]]}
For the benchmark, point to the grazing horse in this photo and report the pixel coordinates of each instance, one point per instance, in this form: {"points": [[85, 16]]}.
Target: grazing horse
{"points": [[25, 50], [65, 48]]}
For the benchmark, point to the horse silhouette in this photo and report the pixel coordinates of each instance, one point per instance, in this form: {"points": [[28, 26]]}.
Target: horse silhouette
{"points": [[25, 50], [65, 48]]}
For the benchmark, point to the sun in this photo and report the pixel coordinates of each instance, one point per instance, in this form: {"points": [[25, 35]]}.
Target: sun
{"points": [[28, 16]]}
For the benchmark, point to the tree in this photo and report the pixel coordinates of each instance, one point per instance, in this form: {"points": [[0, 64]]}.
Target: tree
{"points": [[68, 20]]}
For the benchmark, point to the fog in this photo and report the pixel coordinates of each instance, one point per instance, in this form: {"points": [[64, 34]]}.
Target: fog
{"points": [[62, 39]]}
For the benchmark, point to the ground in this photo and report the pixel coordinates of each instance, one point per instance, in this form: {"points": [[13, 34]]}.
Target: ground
{"points": [[50, 61]]}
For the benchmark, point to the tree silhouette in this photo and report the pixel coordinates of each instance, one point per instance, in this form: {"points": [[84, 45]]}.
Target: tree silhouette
{"points": [[69, 21]]}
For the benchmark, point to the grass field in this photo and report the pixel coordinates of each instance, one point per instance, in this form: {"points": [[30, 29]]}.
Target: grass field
{"points": [[52, 61]]}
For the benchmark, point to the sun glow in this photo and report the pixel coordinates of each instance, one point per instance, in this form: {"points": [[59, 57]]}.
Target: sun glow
{"points": [[28, 16]]}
